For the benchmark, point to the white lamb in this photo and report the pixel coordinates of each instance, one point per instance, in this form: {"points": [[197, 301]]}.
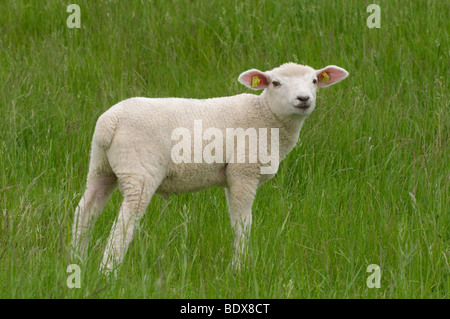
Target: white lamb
{"points": [[133, 145]]}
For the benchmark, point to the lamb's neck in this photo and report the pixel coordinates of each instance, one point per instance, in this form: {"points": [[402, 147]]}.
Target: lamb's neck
{"points": [[289, 128], [289, 136]]}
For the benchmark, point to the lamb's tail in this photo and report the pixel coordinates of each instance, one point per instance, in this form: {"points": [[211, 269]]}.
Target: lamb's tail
{"points": [[105, 130]]}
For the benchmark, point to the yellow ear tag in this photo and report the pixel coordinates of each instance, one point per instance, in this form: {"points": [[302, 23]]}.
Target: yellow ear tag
{"points": [[255, 81], [324, 77]]}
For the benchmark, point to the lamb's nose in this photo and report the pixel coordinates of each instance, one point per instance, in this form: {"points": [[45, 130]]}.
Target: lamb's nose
{"points": [[303, 98]]}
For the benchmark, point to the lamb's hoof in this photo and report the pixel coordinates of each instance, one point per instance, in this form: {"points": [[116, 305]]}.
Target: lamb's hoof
{"points": [[108, 272]]}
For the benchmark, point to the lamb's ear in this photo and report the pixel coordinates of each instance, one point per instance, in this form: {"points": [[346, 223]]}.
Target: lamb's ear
{"points": [[330, 75], [254, 79]]}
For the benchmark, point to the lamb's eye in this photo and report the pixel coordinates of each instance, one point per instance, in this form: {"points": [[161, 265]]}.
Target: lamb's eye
{"points": [[314, 81], [276, 83]]}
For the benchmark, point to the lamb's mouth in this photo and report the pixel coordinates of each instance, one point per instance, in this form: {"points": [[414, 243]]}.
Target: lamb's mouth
{"points": [[302, 106]]}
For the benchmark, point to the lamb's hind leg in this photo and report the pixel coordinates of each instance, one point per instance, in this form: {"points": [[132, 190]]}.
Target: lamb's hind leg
{"points": [[97, 193], [101, 182], [137, 190]]}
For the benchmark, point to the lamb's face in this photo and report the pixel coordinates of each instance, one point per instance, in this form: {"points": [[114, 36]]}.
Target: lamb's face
{"points": [[290, 89]]}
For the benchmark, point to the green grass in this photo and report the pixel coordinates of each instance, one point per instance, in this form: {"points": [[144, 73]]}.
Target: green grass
{"points": [[368, 182]]}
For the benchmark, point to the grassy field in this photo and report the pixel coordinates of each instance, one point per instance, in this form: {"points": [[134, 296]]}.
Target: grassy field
{"points": [[368, 182]]}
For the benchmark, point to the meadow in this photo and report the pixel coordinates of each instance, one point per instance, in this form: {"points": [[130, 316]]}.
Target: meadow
{"points": [[367, 183]]}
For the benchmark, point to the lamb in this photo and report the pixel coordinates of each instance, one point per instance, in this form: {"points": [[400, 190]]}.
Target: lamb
{"points": [[134, 141]]}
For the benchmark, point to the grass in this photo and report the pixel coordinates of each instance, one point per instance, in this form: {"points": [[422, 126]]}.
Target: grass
{"points": [[368, 182]]}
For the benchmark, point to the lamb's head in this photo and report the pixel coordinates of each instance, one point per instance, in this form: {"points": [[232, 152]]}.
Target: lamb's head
{"points": [[290, 90]]}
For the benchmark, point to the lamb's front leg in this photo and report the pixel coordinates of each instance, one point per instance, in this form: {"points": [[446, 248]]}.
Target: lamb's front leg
{"points": [[240, 196], [137, 190]]}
